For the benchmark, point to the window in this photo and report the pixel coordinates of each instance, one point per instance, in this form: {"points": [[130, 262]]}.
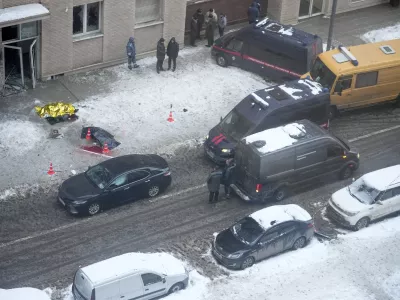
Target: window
{"points": [[321, 74], [396, 191], [137, 175], [343, 83], [235, 45], [147, 11], [150, 278], [334, 151], [269, 236], [287, 228], [120, 181], [366, 79], [86, 18], [386, 195]]}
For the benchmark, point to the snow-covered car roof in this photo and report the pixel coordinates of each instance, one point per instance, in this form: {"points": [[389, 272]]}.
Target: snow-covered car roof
{"points": [[383, 178], [25, 293], [279, 214], [128, 263]]}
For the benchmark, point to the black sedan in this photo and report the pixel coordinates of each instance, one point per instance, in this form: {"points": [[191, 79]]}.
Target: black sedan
{"points": [[113, 182]]}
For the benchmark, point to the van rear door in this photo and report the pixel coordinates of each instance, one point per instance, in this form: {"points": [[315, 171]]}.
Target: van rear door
{"points": [[82, 287]]}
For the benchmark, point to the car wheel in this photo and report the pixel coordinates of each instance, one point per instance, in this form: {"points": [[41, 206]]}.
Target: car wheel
{"points": [[247, 263], [176, 288], [93, 209], [280, 194], [221, 61], [346, 173], [299, 243], [362, 223], [153, 191]]}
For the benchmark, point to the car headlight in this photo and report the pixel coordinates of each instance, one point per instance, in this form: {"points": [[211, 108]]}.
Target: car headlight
{"points": [[350, 214], [226, 150], [235, 255], [358, 155], [78, 202], [207, 137]]}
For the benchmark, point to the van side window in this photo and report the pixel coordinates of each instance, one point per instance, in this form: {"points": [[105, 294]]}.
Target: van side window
{"points": [[343, 83], [334, 151], [235, 45], [149, 278], [366, 79]]}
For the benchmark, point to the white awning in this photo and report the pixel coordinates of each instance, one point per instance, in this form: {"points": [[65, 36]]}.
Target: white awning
{"points": [[23, 14]]}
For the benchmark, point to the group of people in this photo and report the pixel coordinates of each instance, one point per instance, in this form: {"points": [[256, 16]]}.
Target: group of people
{"points": [[218, 177], [211, 21]]}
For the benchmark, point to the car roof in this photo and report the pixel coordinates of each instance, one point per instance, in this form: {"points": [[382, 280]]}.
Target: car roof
{"points": [[384, 178], [131, 263], [126, 163], [279, 214]]}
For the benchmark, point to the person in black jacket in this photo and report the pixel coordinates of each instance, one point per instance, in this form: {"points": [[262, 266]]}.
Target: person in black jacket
{"points": [[210, 29], [160, 55], [193, 31], [213, 184], [253, 13], [199, 16], [172, 52], [227, 176]]}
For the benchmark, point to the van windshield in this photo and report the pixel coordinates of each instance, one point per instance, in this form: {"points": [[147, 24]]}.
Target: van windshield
{"points": [[82, 285], [235, 125], [321, 74]]}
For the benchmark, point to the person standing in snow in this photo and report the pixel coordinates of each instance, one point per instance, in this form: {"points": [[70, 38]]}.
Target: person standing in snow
{"points": [[199, 16], [172, 52], [227, 176], [193, 31], [211, 12], [160, 55], [131, 52], [210, 29], [258, 5], [213, 184], [221, 24], [253, 13]]}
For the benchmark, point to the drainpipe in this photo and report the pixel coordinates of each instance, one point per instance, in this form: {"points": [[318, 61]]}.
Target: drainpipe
{"points": [[330, 34]]}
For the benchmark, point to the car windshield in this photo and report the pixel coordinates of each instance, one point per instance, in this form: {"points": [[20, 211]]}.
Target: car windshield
{"points": [[321, 74], [235, 125], [247, 231], [363, 192], [99, 175]]}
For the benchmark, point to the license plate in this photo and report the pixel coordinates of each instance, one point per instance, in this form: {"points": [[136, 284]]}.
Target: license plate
{"points": [[62, 202]]}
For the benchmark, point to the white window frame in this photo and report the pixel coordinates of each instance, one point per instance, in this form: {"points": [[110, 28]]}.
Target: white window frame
{"points": [[84, 17], [160, 16]]}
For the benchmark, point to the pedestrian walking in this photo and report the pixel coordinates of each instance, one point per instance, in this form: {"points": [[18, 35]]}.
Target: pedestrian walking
{"points": [[193, 31], [131, 52], [253, 13], [160, 55], [172, 52], [210, 30], [227, 176], [213, 184], [199, 16], [221, 24]]}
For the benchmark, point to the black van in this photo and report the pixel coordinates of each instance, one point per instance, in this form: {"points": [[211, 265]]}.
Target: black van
{"points": [[268, 108], [270, 49], [269, 162]]}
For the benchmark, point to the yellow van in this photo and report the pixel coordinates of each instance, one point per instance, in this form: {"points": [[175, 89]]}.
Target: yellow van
{"points": [[360, 75]]}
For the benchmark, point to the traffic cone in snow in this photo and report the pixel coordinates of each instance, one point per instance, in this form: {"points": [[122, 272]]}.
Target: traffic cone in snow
{"points": [[51, 171], [170, 118], [88, 134], [105, 149]]}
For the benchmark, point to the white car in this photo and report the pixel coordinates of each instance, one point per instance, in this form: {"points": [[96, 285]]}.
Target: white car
{"points": [[372, 196]]}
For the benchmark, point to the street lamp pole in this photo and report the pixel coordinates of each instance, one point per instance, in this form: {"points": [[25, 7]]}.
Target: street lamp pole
{"points": [[331, 24]]}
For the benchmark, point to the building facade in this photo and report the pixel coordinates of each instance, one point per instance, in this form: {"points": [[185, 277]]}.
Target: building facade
{"points": [[47, 38]]}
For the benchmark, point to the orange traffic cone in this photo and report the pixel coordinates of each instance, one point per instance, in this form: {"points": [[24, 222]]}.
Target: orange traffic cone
{"points": [[105, 149], [88, 134], [51, 171], [170, 118]]}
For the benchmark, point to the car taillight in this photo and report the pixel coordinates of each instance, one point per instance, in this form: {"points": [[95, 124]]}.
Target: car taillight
{"points": [[325, 125], [167, 173], [258, 187], [310, 225]]}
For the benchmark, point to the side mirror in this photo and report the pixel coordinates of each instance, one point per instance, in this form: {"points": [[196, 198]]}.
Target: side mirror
{"points": [[163, 280], [88, 167], [220, 119]]}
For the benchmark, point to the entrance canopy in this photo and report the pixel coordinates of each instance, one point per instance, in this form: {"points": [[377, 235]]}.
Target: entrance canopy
{"points": [[22, 14]]}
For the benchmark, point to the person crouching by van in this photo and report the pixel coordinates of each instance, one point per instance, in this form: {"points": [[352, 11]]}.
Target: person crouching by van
{"points": [[131, 52], [227, 176], [221, 24], [253, 13], [210, 29], [213, 184]]}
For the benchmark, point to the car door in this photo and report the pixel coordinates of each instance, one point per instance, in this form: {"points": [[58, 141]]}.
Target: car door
{"points": [[131, 287], [341, 96], [334, 157], [310, 158], [386, 203], [233, 52], [116, 192], [140, 183], [287, 234], [268, 244], [154, 285]]}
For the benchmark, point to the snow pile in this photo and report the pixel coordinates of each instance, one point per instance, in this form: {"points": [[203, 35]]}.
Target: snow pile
{"points": [[315, 87], [20, 191], [290, 91], [391, 286], [25, 293], [19, 137], [19, 12], [382, 34]]}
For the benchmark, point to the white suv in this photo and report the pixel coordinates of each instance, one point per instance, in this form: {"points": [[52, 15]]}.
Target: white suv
{"points": [[372, 196]]}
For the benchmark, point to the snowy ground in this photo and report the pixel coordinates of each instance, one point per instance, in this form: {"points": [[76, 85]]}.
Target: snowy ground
{"points": [[382, 34]]}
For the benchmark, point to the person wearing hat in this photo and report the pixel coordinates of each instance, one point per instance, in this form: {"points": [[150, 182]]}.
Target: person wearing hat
{"points": [[210, 29], [172, 52], [193, 31], [160, 55], [199, 16], [131, 53]]}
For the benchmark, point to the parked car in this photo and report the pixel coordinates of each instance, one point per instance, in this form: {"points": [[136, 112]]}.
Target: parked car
{"points": [[264, 109], [373, 196], [113, 182], [270, 49], [262, 234], [130, 276]]}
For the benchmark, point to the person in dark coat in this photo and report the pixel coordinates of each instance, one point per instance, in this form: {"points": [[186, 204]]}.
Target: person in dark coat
{"points": [[131, 52], [199, 16], [258, 5], [160, 55], [213, 184], [210, 29], [253, 13], [193, 31], [227, 176], [172, 52]]}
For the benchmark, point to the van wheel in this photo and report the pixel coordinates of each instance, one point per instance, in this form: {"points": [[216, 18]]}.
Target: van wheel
{"points": [[280, 194], [176, 288], [221, 61], [346, 173], [333, 112]]}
